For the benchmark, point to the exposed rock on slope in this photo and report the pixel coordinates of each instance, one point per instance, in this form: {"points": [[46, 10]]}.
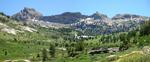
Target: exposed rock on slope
{"points": [[3, 25], [13, 27], [9, 30], [28, 29]]}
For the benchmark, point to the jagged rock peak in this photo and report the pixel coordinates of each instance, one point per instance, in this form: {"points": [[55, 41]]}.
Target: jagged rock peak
{"points": [[27, 13], [31, 11]]}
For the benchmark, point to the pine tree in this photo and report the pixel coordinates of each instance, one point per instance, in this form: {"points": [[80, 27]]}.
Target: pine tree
{"points": [[44, 55], [52, 50]]}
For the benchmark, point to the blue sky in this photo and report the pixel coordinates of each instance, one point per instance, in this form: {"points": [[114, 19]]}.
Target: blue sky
{"points": [[87, 7]]}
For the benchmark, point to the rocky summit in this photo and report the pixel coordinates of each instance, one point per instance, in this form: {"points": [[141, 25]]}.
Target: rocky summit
{"points": [[27, 14]]}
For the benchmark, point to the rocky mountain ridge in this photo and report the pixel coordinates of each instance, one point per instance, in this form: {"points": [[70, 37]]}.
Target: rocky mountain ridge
{"points": [[68, 17], [97, 22]]}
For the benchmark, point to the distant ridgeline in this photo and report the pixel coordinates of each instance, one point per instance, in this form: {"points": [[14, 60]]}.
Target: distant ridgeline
{"points": [[94, 24]]}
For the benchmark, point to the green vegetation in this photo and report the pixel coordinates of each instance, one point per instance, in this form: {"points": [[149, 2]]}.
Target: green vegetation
{"points": [[61, 45], [145, 28], [136, 58]]}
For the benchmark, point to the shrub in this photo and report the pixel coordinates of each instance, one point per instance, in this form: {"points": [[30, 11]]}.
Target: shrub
{"points": [[145, 29]]}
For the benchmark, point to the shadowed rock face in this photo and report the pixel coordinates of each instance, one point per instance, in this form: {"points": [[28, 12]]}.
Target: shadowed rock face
{"points": [[64, 18], [125, 16], [27, 13]]}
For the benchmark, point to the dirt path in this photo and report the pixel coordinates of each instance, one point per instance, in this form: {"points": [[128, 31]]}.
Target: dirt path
{"points": [[127, 55]]}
